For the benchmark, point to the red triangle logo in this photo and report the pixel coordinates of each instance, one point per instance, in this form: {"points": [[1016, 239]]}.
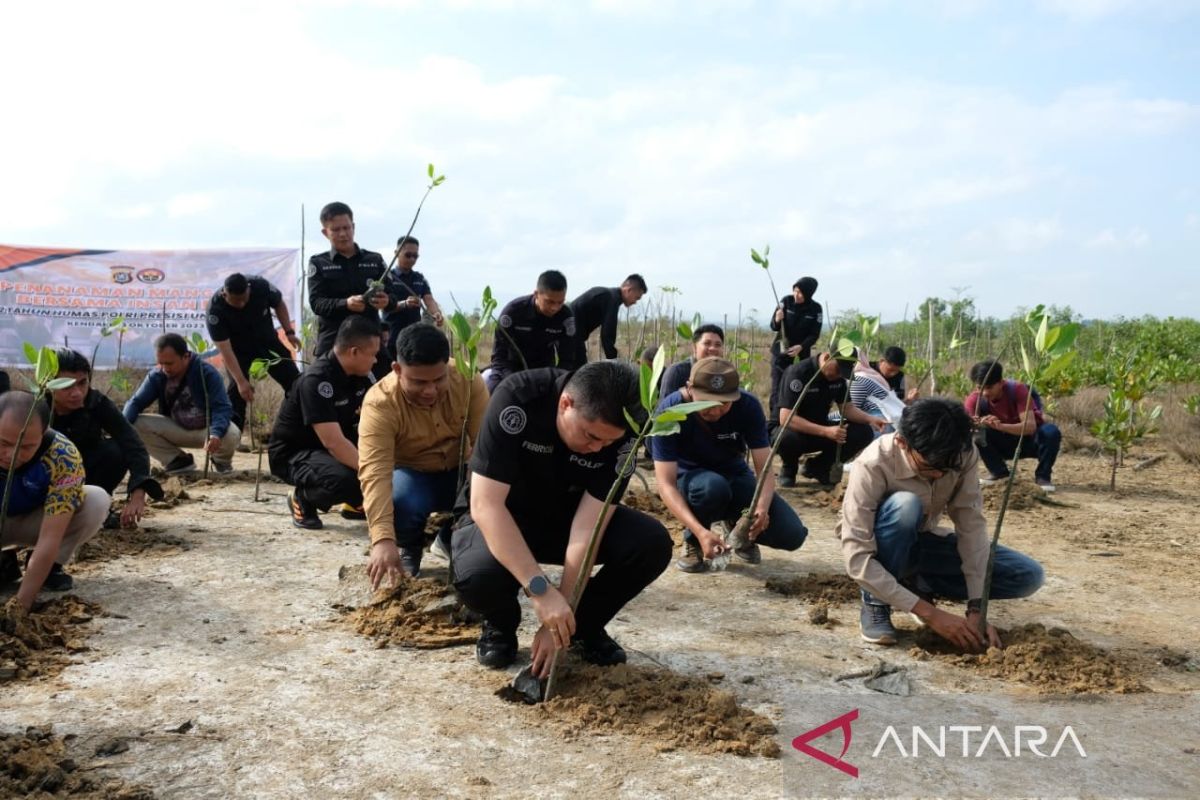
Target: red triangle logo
{"points": [[801, 743]]}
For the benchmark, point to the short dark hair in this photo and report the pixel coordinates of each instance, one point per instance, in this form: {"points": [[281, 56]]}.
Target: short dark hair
{"points": [[987, 373], [939, 429], [637, 282], [20, 402], [73, 361], [648, 355], [895, 356], [171, 341], [237, 283], [403, 240], [355, 330], [605, 390], [707, 328], [421, 346], [335, 209], [552, 281]]}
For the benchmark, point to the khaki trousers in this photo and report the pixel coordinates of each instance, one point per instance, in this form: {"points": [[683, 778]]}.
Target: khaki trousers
{"points": [[165, 438], [85, 523]]}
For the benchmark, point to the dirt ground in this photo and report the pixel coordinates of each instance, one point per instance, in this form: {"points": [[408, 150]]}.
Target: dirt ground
{"points": [[232, 655]]}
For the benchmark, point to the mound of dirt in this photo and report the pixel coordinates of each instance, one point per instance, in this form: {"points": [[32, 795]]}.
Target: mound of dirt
{"points": [[418, 612], [650, 503], [664, 708], [173, 494], [826, 498], [110, 544], [35, 765], [1024, 496], [829, 590], [39, 643], [1050, 660]]}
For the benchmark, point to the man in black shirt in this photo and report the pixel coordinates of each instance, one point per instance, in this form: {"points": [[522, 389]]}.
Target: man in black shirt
{"points": [[707, 341], [891, 367], [411, 290], [598, 307], [239, 322], [314, 445], [340, 282], [797, 320], [810, 430], [549, 450], [537, 330], [85, 416]]}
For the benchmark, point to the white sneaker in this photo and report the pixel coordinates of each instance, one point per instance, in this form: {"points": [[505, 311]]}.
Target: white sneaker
{"points": [[1045, 485], [992, 480], [436, 549]]}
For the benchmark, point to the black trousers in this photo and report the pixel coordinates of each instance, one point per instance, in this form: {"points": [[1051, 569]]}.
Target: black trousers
{"points": [[634, 551], [323, 479], [793, 445], [284, 373], [779, 364], [105, 466]]}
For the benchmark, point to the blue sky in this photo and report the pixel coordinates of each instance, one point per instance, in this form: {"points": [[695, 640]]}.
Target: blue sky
{"points": [[1033, 152]]}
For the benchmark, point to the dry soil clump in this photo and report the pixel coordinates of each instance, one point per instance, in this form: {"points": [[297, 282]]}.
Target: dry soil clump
{"points": [[829, 590], [110, 544], [1050, 660], [1024, 496], [668, 710], [35, 765], [417, 612], [40, 643]]}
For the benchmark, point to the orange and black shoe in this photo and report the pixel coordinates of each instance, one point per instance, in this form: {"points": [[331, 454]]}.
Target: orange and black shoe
{"points": [[304, 513], [353, 512]]}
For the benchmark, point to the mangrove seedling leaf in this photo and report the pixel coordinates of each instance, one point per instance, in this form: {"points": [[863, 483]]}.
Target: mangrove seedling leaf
{"points": [[60, 383], [31, 353]]}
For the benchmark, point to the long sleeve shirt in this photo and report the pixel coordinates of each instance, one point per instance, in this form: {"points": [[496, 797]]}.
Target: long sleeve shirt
{"points": [[99, 415], [801, 324], [882, 470], [528, 339], [203, 382], [598, 307]]}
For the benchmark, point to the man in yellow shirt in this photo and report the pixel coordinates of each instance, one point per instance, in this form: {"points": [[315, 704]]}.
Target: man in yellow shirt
{"points": [[409, 440]]}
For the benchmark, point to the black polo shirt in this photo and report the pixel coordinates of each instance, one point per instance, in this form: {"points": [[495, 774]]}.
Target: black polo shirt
{"points": [[332, 277], [895, 383], [400, 284], [543, 341], [323, 393], [821, 395], [249, 330], [519, 445], [598, 307]]}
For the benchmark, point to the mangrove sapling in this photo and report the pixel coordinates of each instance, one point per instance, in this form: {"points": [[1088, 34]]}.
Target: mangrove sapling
{"points": [[200, 346], [45, 380], [115, 325], [375, 288], [260, 368], [763, 260], [1122, 426], [1051, 352], [466, 343], [664, 423]]}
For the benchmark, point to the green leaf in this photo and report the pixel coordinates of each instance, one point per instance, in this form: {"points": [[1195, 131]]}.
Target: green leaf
{"points": [[460, 326], [1066, 338], [430, 170], [683, 409], [684, 330], [650, 396], [845, 349], [1025, 360], [60, 383], [664, 429], [1058, 365], [755, 257], [1039, 341], [47, 366], [633, 425], [31, 353]]}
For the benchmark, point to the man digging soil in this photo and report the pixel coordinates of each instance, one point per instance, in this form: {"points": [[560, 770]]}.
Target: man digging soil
{"points": [[548, 452]]}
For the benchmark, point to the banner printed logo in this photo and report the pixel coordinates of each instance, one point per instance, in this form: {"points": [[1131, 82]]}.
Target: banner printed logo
{"points": [[801, 743]]}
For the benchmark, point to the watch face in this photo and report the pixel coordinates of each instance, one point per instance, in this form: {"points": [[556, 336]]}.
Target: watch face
{"points": [[538, 585]]}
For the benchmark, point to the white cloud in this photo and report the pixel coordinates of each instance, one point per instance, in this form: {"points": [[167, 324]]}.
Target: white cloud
{"points": [[1109, 239]]}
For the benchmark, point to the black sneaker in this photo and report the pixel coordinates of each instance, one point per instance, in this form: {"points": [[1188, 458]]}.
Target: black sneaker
{"points": [[496, 649], [410, 559], [787, 476], [600, 649], [693, 558], [749, 552], [304, 513], [10, 570], [352, 512], [58, 580], [221, 467], [113, 521], [180, 464]]}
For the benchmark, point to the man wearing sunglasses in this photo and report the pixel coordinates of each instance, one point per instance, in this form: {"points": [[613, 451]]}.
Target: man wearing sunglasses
{"points": [[894, 548], [411, 290]]}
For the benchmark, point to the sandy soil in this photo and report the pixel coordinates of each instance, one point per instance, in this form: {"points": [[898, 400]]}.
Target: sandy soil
{"points": [[228, 657]]}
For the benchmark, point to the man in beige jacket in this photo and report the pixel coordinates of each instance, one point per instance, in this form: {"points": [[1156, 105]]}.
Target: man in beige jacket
{"points": [[410, 448]]}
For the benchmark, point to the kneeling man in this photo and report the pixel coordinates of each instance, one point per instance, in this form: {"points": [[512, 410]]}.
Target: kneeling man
{"points": [[702, 475], [549, 450], [892, 544]]}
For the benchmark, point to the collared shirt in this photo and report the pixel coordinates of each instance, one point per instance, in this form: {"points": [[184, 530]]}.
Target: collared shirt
{"points": [[539, 340], [598, 307], [399, 285], [1009, 409], [52, 480], [250, 329], [519, 445], [323, 393], [333, 277], [822, 393], [393, 432], [884, 469], [718, 446]]}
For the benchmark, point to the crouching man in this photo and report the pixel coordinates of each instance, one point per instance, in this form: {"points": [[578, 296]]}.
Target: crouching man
{"points": [[314, 444], [702, 475], [888, 527], [549, 450], [49, 508]]}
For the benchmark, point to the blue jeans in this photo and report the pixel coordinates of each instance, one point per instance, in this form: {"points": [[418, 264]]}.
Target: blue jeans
{"points": [[996, 449], [930, 563], [713, 496], [416, 494]]}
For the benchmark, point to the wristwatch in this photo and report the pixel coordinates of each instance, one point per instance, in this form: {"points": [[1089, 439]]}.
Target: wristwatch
{"points": [[537, 586], [975, 605]]}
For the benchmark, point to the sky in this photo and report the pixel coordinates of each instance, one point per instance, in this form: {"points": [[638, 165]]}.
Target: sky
{"points": [[1014, 152]]}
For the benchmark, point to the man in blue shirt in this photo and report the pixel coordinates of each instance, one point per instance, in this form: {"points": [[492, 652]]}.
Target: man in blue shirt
{"points": [[702, 474]]}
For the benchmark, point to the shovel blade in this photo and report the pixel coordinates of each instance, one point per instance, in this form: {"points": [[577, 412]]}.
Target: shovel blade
{"points": [[531, 689]]}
